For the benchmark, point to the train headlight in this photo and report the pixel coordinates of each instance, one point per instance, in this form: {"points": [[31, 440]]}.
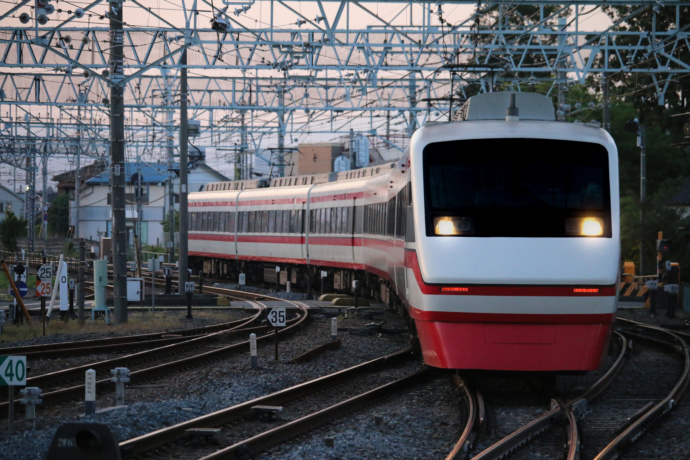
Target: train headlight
{"points": [[453, 225], [584, 226]]}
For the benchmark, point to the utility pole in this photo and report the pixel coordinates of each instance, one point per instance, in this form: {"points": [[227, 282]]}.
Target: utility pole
{"points": [[606, 115], [240, 171], [44, 222], [281, 131], [77, 177], [412, 94], [31, 196], [184, 147], [117, 153], [171, 179]]}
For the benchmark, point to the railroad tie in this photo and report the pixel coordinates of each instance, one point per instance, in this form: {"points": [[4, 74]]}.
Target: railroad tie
{"points": [[207, 434], [266, 412]]}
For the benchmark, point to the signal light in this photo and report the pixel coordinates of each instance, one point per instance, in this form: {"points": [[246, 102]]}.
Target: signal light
{"points": [[663, 246], [24, 18]]}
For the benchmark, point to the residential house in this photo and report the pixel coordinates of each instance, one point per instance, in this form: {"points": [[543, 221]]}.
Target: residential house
{"points": [[10, 201], [95, 215]]}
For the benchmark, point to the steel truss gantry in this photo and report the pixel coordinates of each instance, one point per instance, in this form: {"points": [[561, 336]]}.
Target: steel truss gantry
{"points": [[259, 70]]}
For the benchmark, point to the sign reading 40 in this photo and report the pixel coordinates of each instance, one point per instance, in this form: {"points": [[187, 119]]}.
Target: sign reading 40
{"points": [[13, 370]]}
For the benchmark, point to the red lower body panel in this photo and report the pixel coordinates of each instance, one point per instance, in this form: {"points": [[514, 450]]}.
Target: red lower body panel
{"points": [[513, 346]]}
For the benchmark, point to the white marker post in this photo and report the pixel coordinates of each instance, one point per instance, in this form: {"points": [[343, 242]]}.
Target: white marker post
{"points": [[334, 328], [90, 390], [254, 357]]}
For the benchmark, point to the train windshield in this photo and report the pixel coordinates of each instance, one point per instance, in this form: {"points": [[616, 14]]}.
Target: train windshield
{"points": [[516, 187]]}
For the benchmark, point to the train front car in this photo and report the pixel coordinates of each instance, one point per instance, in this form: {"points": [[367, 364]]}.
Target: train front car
{"points": [[517, 241]]}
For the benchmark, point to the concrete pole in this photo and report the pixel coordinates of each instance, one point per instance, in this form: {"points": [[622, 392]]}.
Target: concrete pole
{"points": [[77, 177], [171, 180], [184, 147], [117, 153]]}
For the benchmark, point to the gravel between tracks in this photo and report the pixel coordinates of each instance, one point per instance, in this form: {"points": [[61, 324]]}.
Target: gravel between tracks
{"points": [[417, 426], [420, 425]]}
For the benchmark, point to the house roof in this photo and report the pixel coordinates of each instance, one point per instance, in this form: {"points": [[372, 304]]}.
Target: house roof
{"points": [[11, 193], [151, 173], [85, 172]]}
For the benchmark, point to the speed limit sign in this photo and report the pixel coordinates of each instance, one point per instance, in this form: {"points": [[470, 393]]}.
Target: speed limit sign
{"points": [[277, 317], [43, 288], [45, 272]]}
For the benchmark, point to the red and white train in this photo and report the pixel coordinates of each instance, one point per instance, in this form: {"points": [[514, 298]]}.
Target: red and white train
{"points": [[498, 233]]}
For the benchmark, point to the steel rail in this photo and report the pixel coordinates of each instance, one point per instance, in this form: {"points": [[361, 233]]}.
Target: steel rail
{"points": [[36, 350], [270, 438], [160, 437], [663, 407], [155, 371], [475, 421], [542, 423]]}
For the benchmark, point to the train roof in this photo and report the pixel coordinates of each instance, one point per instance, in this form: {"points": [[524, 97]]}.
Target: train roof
{"points": [[493, 106], [307, 179]]}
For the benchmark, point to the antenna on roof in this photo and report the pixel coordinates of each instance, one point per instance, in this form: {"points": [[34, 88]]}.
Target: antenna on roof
{"points": [[512, 113]]}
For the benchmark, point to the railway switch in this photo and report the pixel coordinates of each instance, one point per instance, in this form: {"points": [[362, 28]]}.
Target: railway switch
{"points": [[120, 377]]}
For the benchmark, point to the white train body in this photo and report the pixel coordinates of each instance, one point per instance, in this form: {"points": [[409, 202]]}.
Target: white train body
{"points": [[519, 282]]}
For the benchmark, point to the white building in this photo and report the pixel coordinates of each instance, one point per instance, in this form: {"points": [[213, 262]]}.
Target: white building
{"points": [[95, 215], [10, 201]]}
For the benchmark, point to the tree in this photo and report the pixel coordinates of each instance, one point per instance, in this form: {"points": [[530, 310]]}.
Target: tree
{"points": [[11, 228], [58, 216], [642, 88]]}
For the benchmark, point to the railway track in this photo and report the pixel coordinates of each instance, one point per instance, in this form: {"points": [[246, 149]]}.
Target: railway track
{"points": [[68, 384], [251, 427], [139, 341], [558, 431], [124, 343]]}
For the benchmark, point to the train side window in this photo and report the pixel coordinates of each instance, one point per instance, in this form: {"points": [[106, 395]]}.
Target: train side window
{"points": [[203, 221], [366, 220], [285, 221], [253, 217], [231, 223], [279, 221], [294, 221], [243, 227], [346, 220], [271, 221], [338, 220], [379, 218]]}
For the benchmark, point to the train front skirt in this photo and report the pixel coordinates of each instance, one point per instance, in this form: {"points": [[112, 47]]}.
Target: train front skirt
{"points": [[513, 342]]}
